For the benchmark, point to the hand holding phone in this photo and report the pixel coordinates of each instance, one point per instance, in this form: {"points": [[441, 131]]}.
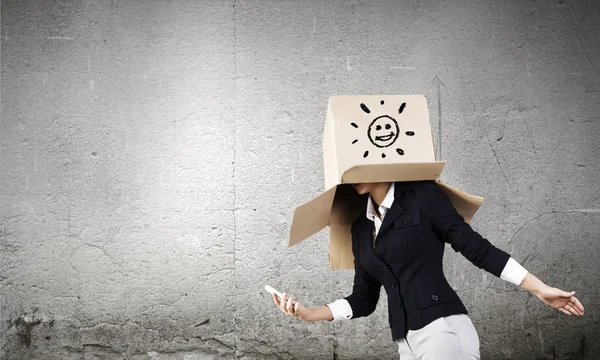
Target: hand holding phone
{"points": [[272, 290], [296, 309]]}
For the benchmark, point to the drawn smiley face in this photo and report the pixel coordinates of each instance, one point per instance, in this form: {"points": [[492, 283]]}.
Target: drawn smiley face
{"points": [[383, 131]]}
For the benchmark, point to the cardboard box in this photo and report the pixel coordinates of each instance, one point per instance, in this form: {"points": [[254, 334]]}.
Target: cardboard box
{"points": [[370, 138]]}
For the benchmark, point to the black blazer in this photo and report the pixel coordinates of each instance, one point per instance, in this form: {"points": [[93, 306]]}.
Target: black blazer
{"points": [[407, 258]]}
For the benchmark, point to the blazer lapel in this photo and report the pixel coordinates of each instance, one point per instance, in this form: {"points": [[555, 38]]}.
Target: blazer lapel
{"points": [[389, 218], [396, 209], [366, 241]]}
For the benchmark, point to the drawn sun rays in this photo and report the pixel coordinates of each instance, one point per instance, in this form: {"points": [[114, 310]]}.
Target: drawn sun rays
{"points": [[383, 131]]}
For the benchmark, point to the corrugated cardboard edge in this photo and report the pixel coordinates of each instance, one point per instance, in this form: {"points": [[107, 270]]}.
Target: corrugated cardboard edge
{"points": [[330, 163], [393, 172]]}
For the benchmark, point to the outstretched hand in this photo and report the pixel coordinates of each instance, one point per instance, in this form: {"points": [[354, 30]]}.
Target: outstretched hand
{"points": [[561, 300]]}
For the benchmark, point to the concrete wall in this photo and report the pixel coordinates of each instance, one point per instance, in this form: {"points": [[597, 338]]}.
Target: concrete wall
{"points": [[153, 153]]}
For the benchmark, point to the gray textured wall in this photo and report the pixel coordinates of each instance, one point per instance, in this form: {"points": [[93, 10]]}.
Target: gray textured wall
{"points": [[153, 153]]}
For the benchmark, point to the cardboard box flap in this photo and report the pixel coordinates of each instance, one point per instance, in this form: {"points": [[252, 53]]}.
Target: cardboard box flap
{"points": [[340, 249], [393, 172], [347, 206], [466, 204], [311, 217]]}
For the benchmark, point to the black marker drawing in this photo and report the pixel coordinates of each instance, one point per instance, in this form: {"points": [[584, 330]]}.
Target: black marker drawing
{"points": [[401, 108], [383, 130]]}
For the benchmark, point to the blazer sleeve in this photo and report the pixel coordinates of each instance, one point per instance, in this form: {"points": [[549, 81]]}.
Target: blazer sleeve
{"points": [[451, 227], [366, 288]]}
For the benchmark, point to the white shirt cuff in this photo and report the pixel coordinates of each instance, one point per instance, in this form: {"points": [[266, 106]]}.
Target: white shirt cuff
{"points": [[513, 272], [340, 309]]}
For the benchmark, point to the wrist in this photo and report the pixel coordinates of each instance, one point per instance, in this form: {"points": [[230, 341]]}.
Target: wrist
{"points": [[534, 285], [307, 315], [540, 290]]}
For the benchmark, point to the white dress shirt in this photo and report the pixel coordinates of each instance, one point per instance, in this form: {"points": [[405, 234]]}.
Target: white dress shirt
{"points": [[512, 272]]}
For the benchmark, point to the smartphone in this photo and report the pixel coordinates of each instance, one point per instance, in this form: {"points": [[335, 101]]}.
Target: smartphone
{"points": [[274, 291]]}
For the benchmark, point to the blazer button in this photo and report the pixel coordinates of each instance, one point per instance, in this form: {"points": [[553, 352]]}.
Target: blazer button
{"points": [[398, 304], [406, 221], [434, 297], [393, 284], [385, 268]]}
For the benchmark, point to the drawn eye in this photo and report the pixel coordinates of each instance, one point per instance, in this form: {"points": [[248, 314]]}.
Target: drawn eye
{"points": [[388, 126], [378, 127]]}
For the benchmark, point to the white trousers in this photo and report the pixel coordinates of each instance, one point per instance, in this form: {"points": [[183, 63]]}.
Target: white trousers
{"points": [[447, 338]]}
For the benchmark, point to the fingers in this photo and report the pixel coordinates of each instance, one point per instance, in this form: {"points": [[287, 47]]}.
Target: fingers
{"points": [[286, 304], [573, 305], [574, 309], [289, 306], [576, 304], [565, 311], [277, 301], [570, 309], [282, 303]]}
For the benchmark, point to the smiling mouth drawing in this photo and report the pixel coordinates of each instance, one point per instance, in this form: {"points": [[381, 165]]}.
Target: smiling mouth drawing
{"points": [[385, 137]]}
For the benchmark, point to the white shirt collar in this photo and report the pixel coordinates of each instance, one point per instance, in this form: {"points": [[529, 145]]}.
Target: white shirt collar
{"points": [[385, 204]]}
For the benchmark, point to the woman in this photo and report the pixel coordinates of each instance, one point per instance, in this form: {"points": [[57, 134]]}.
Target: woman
{"points": [[398, 243]]}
